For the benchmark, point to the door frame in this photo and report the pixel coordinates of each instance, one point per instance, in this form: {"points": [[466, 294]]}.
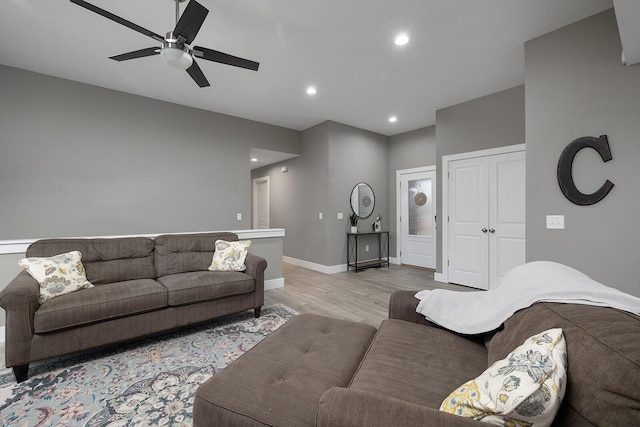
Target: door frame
{"points": [[444, 275], [399, 174], [254, 200]]}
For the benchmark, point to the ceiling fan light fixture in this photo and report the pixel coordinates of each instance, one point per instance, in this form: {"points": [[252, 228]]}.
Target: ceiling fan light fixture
{"points": [[176, 57]]}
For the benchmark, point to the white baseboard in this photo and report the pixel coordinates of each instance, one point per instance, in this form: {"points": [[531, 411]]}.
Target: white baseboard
{"points": [[439, 277], [274, 283], [326, 269]]}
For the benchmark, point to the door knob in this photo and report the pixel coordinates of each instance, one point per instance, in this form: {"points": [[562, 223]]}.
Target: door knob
{"points": [[491, 230], [484, 230]]}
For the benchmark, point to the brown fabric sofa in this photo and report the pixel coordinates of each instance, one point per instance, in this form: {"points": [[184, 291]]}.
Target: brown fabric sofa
{"points": [[141, 287], [411, 365]]}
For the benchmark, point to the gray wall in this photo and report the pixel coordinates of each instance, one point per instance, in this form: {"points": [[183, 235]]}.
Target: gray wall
{"points": [[333, 159], [80, 160], [495, 120], [577, 86], [355, 156], [407, 151]]}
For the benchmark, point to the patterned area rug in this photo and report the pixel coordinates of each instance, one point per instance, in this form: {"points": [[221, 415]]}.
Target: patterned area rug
{"points": [[151, 382]]}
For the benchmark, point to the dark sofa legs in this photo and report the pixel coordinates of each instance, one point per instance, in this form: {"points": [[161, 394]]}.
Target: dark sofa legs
{"points": [[20, 372], [256, 312]]}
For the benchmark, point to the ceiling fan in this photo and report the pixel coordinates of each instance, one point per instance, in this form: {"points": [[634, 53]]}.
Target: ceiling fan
{"points": [[176, 48]]}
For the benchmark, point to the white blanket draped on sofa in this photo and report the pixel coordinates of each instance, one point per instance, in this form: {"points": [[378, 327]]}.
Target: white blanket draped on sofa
{"points": [[484, 311]]}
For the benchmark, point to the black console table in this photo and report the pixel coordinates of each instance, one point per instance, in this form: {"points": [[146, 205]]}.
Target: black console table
{"points": [[352, 250]]}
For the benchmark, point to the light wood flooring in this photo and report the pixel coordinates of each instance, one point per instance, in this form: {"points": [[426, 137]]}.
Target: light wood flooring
{"points": [[362, 296]]}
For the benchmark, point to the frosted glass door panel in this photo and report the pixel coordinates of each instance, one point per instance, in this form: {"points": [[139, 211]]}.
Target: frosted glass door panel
{"points": [[420, 207], [418, 230]]}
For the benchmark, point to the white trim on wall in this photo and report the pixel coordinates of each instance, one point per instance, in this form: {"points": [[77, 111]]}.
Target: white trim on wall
{"points": [[326, 269], [444, 275], [274, 284], [20, 246]]}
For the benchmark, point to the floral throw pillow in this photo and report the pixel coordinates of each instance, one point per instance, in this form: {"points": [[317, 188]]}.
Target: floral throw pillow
{"points": [[57, 275], [230, 256], [523, 389]]}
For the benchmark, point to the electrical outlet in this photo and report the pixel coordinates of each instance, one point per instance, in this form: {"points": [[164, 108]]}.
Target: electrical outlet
{"points": [[239, 217], [555, 222], [320, 215], [340, 215], [366, 248]]}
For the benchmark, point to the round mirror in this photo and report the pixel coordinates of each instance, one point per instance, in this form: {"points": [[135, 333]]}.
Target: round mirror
{"points": [[362, 200]]}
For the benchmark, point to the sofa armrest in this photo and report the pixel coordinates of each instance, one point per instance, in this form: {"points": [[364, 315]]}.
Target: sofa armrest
{"points": [[255, 267], [402, 306], [350, 408], [20, 302]]}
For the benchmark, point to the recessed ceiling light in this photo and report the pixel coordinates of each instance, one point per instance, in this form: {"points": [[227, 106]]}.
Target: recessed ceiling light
{"points": [[402, 39], [311, 90], [393, 119], [253, 159]]}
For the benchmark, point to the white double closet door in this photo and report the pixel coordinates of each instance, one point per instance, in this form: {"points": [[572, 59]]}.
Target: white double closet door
{"points": [[486, 218]]}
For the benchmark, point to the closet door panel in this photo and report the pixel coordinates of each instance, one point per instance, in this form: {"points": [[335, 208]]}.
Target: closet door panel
{"points": [[468, 180], [506, 213]]}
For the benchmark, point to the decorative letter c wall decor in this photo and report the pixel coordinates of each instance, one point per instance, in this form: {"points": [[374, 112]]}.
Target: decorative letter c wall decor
{"points": [[565, 175]]}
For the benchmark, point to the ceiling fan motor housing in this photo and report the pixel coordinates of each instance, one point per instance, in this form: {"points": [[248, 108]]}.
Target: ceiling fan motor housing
{"points": [[175, 53]]}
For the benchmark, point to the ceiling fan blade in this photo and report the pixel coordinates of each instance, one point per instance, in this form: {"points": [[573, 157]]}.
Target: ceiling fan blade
{"points": [[191, 20], [119, 20], [224, 58], [150, 51], [197, 75]]}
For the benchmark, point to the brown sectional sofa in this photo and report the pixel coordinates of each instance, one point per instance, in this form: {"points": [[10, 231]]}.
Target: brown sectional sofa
{"points": [[141, 287], [410, 365]]}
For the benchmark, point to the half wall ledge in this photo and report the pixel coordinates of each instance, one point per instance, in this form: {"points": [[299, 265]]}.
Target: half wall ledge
{"points": [[19, 246]]}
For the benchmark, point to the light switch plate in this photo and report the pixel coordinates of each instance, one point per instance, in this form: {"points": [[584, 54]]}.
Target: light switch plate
{"points": [[320, 215], [555, 222], [340, 215], [239, 217]]}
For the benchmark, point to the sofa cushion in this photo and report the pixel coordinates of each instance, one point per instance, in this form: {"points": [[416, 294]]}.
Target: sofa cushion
{"points": [[181, 253], [603, 359], [100, 303], [57, 275], [198, 286], [417, 363], [525, 388], [105, 260]]}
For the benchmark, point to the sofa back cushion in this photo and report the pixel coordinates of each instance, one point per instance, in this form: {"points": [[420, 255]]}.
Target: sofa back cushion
{"points": [[603, 359], [105, 260], [182, 253]]}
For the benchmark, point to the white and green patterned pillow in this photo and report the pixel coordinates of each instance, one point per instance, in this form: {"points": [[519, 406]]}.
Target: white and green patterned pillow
{"points": [[230, 256], [523, 389], [57, 275]]}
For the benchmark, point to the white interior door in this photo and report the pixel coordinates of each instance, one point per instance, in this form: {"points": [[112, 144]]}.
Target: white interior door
{"points": [[261, 196], [468, 217], [486, 218], [506, 213], [417, 219]]}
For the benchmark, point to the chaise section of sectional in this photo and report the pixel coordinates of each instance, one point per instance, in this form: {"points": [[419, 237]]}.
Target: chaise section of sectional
{"points": [[279, 382]]}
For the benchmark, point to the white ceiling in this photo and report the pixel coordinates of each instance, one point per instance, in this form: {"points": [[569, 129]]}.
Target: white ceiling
{"points": [[459, 50]]}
